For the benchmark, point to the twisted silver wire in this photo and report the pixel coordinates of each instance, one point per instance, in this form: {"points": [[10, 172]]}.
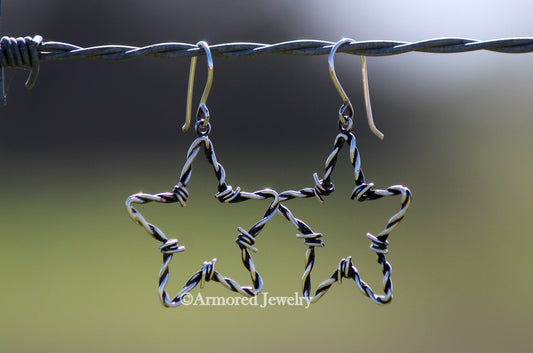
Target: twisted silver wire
{"points": [[61, 51], [363, 191], [226, 194]]}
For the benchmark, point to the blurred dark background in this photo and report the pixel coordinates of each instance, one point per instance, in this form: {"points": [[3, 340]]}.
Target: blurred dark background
{"points": [[79, 276]]}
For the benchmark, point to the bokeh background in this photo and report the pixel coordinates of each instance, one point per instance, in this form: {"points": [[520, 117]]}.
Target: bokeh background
{"points": [[77, 275]]}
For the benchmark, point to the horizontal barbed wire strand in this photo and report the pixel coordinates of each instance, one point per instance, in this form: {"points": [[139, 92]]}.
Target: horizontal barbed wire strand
{"points": [[27, 52], [62, 51]]}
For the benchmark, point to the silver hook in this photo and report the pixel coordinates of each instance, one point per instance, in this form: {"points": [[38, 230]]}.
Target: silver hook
{"points": [[344, 115], [202, 107]]}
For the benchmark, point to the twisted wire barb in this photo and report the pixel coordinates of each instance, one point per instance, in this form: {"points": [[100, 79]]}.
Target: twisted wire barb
{"points": [[19, 53], [226, 194], [363, 191]]}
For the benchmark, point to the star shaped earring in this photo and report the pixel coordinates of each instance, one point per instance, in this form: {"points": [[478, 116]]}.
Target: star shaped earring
{"points": [[363, 191], [225, 194]]}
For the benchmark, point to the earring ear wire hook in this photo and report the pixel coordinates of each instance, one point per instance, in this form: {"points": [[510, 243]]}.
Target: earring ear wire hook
{"points": [[347, 105], [201, 107]]}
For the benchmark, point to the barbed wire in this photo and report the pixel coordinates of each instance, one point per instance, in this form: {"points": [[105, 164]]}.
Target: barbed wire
{"points": [[61, 51], [26, 52]]}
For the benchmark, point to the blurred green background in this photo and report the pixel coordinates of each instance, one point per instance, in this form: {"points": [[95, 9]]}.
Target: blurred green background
{"points": [[77, 275]]}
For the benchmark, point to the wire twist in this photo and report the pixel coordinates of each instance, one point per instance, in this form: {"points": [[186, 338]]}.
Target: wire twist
{"points": [[226, 194], [362, 192]]}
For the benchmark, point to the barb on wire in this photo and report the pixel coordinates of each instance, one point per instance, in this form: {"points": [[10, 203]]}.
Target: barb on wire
{"points": [[20, 53]]}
